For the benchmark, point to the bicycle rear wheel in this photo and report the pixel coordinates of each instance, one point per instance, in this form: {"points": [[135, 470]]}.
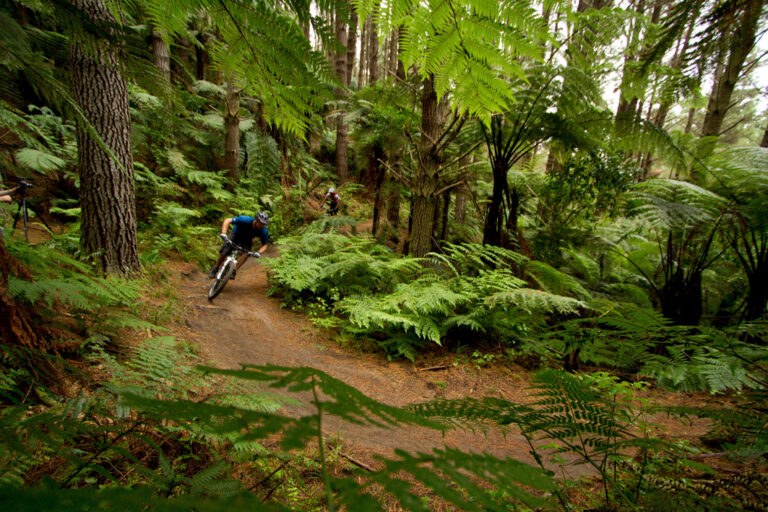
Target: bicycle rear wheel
{"points": [[221, 279]]}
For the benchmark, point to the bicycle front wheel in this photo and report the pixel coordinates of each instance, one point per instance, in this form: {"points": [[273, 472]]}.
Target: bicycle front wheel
{"points": [[221, 279]]}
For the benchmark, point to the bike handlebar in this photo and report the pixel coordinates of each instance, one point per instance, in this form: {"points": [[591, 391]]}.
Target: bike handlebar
{"points": [[226, 239]]}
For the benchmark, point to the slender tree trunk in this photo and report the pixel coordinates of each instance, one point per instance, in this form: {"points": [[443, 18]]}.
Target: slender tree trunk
{"points": [[757, 298], [426, 182], [232, 129], [373, 53], [202, 60], [446, 208], [494, 220], [741, 44], [363, 54], [378, 193], [462, 192], [107, 197], [342, 137], [393, 203], [161, 55], [352, 45], [764, 142]]}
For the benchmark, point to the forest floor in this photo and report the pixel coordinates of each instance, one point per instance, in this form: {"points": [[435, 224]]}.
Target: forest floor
{"points": [[242, 325]]}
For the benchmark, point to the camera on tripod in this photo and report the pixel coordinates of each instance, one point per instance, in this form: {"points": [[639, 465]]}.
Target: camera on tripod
{"points": [[23, 186]]}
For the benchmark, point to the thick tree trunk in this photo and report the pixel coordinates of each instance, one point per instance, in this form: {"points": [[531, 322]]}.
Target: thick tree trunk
{"points": [[426, 182], [161, 55], [764, 142], [741, 44], [107, 197], [232, 129]]}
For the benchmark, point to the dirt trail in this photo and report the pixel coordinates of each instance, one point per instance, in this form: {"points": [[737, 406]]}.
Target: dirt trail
{"points": [[244, 326]]}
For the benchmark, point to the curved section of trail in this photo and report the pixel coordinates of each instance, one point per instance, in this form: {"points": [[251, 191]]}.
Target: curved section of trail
{"points": [[242, 325]]}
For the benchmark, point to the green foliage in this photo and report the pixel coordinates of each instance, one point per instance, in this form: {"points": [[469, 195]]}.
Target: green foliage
{"points": [[469, 47], [406, 302]]}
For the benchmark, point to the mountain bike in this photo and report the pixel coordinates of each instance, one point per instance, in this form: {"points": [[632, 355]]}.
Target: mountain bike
{"points": [[228, 267]]}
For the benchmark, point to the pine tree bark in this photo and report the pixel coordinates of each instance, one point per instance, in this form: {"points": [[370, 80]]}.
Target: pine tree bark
{"points": [[107, 196], [741, 44], [232, 131], [161, 55]]}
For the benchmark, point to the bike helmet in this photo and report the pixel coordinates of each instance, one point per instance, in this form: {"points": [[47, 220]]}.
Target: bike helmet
{"points": [[331, 190], [263, 217]]}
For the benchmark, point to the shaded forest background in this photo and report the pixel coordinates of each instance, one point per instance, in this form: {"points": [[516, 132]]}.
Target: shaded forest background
{"points": [[512, 206]]}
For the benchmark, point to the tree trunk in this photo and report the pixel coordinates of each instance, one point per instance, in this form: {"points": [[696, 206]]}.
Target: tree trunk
{"points": [[764, 142], [107, 197], [342, 137], [757, 298], [232, 129], [462, 192], [393, 204], [351, 45], [681, 299], [373, 53], [202, 59], [426, 180], [742, 42], [363, 56], [446, 208], [494, 220], [160, 54]]}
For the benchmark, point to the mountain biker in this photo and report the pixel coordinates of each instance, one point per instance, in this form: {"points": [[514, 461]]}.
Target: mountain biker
{"points": [[244, 230], [333, 199]]}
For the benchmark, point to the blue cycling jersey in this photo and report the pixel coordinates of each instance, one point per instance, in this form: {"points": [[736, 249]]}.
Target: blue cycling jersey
{"points": [[242, 228]]}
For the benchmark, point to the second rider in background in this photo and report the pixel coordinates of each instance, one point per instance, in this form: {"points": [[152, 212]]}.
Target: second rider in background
{"points": [[244, 230], [333, 199]]}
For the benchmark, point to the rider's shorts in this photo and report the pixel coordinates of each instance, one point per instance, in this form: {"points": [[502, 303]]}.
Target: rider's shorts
{"points": [[244, 243]]}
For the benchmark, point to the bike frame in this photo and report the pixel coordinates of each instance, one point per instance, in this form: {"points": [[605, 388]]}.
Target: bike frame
{"points": [[227, 268]]}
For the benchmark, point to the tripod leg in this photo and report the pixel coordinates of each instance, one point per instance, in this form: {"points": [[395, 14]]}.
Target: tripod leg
{"points": [[40, 217], [26, 220], [16, 217]]}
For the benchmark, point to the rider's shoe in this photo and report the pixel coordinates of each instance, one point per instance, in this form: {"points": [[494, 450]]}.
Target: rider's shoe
{"points": [[234, 273], [212, 273]]}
